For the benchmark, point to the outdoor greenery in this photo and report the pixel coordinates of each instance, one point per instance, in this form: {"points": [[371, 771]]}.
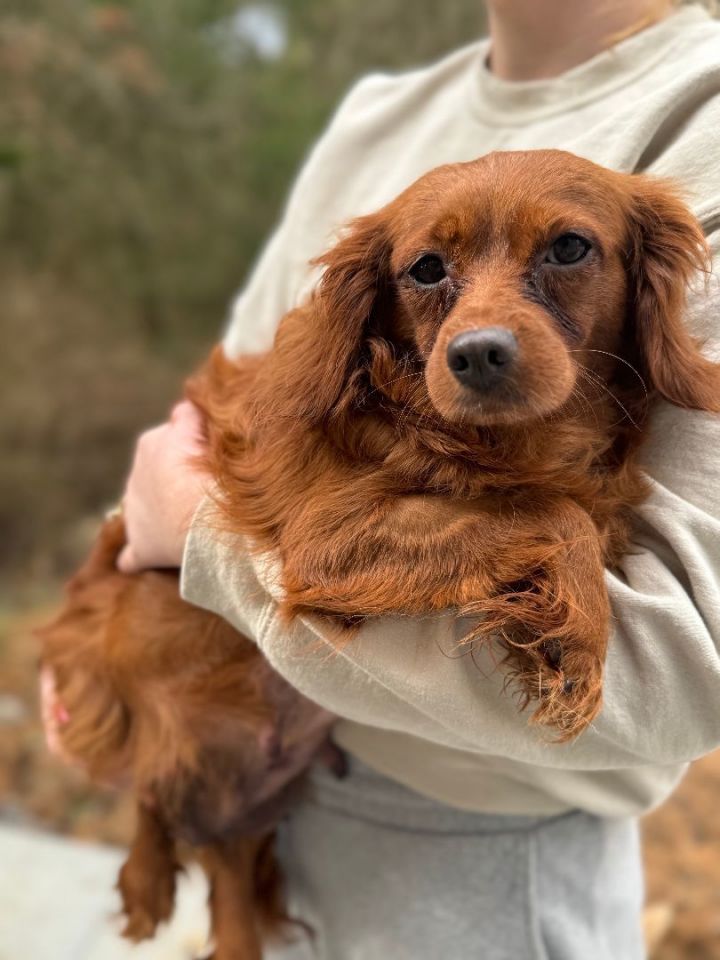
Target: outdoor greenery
{"points": [[145, 150]]}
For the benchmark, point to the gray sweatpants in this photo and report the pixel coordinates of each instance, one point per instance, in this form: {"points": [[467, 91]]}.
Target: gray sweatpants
{"points": [[382, 873]]}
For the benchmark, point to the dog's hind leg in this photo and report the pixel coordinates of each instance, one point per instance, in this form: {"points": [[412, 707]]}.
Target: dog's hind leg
{"points": [[147, 878], [235, 922]]}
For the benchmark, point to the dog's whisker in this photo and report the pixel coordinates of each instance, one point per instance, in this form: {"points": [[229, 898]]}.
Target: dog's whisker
{"points": [[388, 383], [579, 394], [598, 382], [622, 360]]}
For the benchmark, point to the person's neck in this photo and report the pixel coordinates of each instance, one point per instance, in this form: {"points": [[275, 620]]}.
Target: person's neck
{"points": [[538, 39]]}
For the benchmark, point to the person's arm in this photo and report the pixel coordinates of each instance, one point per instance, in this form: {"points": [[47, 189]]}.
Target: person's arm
{"points": [[663, 668]]}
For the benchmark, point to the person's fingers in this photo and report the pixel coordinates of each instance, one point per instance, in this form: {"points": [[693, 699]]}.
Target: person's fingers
{"points": [[186, 417], [127, 561]]}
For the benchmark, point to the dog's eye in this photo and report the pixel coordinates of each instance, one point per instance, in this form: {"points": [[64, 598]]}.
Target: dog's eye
{"points": [[429, 270], [569, 248]]}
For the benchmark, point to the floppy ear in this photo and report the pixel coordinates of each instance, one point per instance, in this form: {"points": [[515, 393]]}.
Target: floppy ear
{"points": [[324, 341], [667, 251]]}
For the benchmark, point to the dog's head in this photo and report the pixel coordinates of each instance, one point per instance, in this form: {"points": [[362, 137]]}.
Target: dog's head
{"points": [[508, 285]]}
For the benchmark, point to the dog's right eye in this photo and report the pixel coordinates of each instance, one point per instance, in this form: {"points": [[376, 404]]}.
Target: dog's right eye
{"points": [[568, 249], [428, 270]]}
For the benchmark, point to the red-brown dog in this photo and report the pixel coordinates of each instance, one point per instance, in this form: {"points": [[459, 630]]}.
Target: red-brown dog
{"points": [[452, 421], [172, 700]]}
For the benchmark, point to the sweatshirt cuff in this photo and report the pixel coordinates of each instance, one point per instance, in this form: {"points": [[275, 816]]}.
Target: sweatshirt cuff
{"points": [[218, 574]]}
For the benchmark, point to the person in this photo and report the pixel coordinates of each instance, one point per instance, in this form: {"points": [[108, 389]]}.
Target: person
{"points": [[460, 831]]}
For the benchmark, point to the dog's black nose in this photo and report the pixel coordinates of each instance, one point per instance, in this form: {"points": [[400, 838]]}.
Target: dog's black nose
{"points": [[482, 359]]}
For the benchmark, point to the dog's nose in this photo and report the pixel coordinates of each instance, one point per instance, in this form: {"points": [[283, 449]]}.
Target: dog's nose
{"points": [[482, 359]]}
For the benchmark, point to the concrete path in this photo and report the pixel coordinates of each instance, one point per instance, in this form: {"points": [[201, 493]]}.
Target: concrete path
{"points": [[58, 902]]}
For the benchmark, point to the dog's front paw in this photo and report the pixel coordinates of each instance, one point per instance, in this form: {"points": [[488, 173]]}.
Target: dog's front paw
{"points": [[554, 647], [569, 675]]}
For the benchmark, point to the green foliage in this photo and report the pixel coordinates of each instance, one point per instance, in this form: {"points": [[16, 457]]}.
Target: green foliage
{"points": [[140, 169]]}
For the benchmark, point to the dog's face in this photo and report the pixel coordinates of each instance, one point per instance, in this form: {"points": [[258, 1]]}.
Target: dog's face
{"points": [[514, 279], [503, 272]]}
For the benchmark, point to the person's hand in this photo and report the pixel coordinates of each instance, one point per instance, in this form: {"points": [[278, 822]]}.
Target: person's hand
{"points": [[163, 490]]}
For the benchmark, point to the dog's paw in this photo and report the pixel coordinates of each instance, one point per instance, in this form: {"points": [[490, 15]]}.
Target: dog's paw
{"points": [[148, 900], [570, 695], [553, 652]]}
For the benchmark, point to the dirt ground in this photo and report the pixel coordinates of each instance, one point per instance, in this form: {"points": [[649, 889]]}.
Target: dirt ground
{"points": [[682, 839], [682, 858]]}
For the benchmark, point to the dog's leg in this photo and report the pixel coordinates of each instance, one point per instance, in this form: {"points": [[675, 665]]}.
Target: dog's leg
{"points": [[147, 878], [550, 610], [235, 923], [533, 577]]}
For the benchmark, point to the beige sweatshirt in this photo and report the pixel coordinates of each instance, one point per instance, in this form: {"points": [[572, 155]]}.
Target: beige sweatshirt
{"points": [[411, 707]]}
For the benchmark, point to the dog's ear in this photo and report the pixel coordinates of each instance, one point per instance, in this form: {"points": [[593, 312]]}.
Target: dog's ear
{"points": [[324, 341], [667, 251]]}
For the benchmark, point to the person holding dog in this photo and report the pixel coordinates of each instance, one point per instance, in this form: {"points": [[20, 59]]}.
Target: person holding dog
{"points": [[460, 832]]}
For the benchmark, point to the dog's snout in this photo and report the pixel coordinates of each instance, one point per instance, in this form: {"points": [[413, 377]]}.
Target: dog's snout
{"points": [[482, 359]]}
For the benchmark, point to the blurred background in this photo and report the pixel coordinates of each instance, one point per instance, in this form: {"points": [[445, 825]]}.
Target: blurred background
{"points": [[146, 148]]}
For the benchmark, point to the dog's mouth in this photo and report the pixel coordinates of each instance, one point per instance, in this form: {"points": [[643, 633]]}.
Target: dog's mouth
{"points": [[504, 406]]}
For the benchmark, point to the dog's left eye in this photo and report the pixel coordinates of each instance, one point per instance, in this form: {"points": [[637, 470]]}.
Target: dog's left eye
{"points": [[428, 270], [569, 248]]}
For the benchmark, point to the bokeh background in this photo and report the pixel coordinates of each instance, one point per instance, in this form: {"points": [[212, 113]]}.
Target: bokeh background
{"points": [[146, 147]]}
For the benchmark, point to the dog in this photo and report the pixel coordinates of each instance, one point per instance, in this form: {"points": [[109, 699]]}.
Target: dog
{"points": [[453, 420], [170, 700]]}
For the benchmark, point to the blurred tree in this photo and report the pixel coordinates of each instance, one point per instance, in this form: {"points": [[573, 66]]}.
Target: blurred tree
{"points": [[142, 161]]}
